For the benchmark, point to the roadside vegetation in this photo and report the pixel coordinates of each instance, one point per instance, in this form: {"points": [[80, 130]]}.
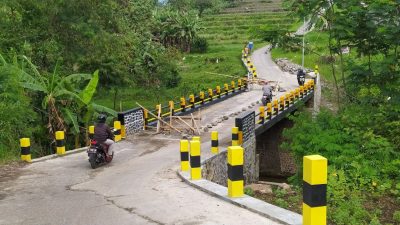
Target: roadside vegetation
{"points": [[360, 135]]}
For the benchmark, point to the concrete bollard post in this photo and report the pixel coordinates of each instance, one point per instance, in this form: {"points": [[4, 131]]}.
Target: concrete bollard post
{"points": [[117, 133], [233, 86], [218, 91], [226, 88], [269, 110], [239, 83], [255, 74], [191, 100], [195, 161], [315, 170], [287, 100], [301, 91], [276, 107], [91, 132], [171, 107], [293, 96], [201, 96], [214, 142], [235, 171], [183, 103], [184, 149], [60, 143], [262, 114], [298, 93], [235, 136], [282, 103], [25, 144], [210, 93], [146, 118]]}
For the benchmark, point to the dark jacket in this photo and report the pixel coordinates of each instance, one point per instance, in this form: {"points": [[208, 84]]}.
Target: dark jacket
{"points": [[102, 132]]}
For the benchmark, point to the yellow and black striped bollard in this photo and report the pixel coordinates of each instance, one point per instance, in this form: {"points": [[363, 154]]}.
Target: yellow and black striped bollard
{"points": [[226, 88], [218, 91], [214, 142], [235, 136], [315, 169], [25, 144], [262, 114], [60, 143], [183, 103], [255, 74], [239, 82], [287, 100], [184, 149], [312, 84], [191, 100], [293, 96], [298, 93], [235, 171], [269, 110], [210, 93], [121, 118], [196, 138], [171, 107], [276, 107], [282, 103], [233, 86], [117, 133], [91, 132], [146, 118], [301, 91], [201, 95], [195, 161]]}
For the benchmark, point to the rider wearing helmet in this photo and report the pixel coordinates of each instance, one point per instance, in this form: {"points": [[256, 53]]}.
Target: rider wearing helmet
{"points": [[103, 134]]}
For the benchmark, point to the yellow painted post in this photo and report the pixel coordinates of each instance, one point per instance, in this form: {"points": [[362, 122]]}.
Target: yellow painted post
{"points": [[298, 92], [60, 143], [276, 107], [235, 136], [25, 144], [282, 102], [183, 103], [171, 107], [262, 114], [226, 88], [235, 171], [233, 86], [239, 83], [158, 107], [146, 118], [301, 91], [191, 100], [117, 133], [218, 91], [315, 170], [196, 138], [210, 93], [312, 84], [293, 96], [201, 95], [248, 60], [91, 132], [184, 149], [287, 100], [316, 70], [214, 142], [254, 73], [195, 162], [269, 110]]}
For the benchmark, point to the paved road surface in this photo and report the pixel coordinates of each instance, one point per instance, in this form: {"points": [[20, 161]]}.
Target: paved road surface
{"points": [[139, 187]]}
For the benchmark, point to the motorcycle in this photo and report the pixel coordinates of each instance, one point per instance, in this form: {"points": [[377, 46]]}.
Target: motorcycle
{"points": [[97, 154], [301, 80], [266, 99]]}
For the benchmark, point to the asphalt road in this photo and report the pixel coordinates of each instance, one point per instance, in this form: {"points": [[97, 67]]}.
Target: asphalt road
{"points": [[140, 186]]}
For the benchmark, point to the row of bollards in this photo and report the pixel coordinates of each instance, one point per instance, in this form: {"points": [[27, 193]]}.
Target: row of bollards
{"points": [[314, 174], [25, 143]]}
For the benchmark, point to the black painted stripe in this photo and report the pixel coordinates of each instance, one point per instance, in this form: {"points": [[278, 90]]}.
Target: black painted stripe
{"points": [[117, 132], [25, 150], [235, 173], [214, 143], [121, 118], [314, 195], [184, 156], [195, 161], [60, 143], [235, 137]]}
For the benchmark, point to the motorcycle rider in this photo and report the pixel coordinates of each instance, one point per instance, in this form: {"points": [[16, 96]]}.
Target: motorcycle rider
{"points": [[300, 74], [104, 135], [267, 91]]}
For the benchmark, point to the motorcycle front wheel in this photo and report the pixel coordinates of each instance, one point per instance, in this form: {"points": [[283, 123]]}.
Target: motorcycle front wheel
{"points": [[92, 160]]}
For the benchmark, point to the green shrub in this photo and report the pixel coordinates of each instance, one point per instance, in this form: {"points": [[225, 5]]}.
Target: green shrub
{"points": [[248, 191], [396, 216], [199, 45]]}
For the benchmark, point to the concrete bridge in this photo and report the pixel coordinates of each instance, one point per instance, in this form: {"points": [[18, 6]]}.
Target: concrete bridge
{"points": [[141, 186]]}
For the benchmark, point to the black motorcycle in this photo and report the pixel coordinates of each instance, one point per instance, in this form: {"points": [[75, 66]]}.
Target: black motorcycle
{"points": [[301, 77], [97, 154]]}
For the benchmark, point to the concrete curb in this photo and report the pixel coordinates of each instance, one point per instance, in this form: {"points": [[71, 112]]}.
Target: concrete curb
{"points": [[262, 208], [53, 156]]}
